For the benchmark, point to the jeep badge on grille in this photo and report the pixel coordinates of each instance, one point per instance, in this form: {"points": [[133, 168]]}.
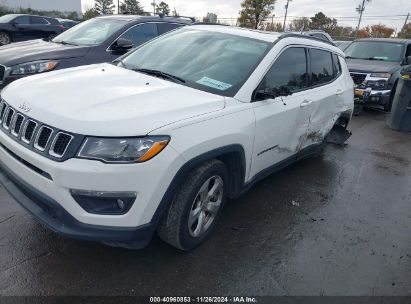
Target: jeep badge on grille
{"points": [[24, 107]]}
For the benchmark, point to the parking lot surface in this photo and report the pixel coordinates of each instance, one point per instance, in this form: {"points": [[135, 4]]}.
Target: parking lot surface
{"points": [[337, 224]]}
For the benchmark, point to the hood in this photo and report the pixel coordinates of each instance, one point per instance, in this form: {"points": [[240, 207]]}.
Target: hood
{"points": [[106, 100], [33, 50], [372, 66]]}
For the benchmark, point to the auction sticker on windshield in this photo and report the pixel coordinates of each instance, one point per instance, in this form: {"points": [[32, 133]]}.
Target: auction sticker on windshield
{"points": [[212, 83]]}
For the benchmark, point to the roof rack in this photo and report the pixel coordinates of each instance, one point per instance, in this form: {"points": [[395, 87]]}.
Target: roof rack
{"points": [[161, 15], [209, 23], [291, 35]]}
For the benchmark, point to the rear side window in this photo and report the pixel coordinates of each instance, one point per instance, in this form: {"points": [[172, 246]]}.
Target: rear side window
{"points": [[142, 33], [53, 21], [320, 36], [289, 70], [322, 67], [38, 21]]}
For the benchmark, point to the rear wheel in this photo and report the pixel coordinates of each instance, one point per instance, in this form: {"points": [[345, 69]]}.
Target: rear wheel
{"points": [[4, 38], [196, 207]]}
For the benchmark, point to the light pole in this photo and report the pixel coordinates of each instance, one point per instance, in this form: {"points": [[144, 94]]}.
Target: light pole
{"points": [[118, 7], [286, 12]]}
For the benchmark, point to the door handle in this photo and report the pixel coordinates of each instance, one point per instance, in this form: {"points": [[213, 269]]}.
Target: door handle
{"points": [[339, 92], [306, 103]]}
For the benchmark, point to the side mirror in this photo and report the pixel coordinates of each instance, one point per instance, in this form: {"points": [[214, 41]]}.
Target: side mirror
{"points": [[271, 93], [122, 44], [14, 23]]}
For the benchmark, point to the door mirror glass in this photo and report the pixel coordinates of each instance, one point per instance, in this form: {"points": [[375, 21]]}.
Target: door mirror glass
{"points": [[123, 44], [263, 93]]}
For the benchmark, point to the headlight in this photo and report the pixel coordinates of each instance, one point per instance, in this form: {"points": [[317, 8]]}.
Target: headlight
{"points": [[123, 150], [33, 67], [377, 84], [381, 75]]}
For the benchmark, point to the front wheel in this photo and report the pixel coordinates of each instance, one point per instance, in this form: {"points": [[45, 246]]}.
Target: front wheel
{"points": [[196, 207], [4, 38]]}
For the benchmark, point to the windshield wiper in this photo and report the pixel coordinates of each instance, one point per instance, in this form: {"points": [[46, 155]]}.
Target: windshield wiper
{"points": [[160, 74]]}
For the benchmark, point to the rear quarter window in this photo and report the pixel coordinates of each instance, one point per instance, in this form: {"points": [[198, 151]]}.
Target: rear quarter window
{"points": [[167, 27]]}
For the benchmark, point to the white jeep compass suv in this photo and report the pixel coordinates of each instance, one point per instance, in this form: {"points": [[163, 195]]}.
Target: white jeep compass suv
{"points": [[157, 141]]}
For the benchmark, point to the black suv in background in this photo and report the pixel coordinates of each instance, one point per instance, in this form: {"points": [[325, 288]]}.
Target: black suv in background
{"points": [[98, 40], [375, 65], [17, 27]]}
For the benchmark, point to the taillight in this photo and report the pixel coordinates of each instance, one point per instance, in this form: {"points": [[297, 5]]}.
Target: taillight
{"points": [[61, 26]]}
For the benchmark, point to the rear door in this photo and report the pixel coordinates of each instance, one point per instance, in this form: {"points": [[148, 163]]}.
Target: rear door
{"points": [[280, 122], [40, 27], [326, 89]]}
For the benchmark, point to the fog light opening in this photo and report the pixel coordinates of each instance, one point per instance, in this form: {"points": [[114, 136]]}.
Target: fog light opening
{"points": [[104, 203]]}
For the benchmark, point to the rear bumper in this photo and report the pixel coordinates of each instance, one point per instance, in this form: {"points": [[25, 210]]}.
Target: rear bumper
{"points": [[54, 216]]}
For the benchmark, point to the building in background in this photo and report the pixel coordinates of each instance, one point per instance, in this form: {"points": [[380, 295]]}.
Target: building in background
{"points": [[64, 6]]}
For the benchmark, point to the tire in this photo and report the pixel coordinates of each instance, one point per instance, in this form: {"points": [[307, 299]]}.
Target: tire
{"points": [[51, 37], [190, 205], [4, 38]]}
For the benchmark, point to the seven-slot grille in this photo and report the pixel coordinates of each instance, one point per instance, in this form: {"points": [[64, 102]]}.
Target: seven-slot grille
{"points": [[358, 78], [44, 139]]}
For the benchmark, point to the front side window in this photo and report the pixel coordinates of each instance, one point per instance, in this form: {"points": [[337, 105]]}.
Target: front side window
{"points": [[23, 20], [375, 50], [322, 70], [289, 70], [141, 33], [92, 32], [214, 62]]}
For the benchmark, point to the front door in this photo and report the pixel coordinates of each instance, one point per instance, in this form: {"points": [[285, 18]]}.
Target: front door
{"points": [[281, 121]]}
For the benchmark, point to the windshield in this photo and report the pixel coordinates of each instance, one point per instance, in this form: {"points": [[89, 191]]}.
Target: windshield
{"points": [[209, 61], [375, 50], [90, 33], [7, 18]]}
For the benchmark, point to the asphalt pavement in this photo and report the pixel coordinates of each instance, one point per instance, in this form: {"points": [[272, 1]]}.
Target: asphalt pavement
{"points": [[336, 224]]}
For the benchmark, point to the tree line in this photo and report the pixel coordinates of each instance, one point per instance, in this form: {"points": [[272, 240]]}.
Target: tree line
{"points": [[258, 14], [134, 7]]}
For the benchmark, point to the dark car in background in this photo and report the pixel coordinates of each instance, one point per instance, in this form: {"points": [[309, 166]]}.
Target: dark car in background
{"points": [[19, 27], [375, 66], [98, 40], [67, 23]]}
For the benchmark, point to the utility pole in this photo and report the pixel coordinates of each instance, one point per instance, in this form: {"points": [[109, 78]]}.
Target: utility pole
{"points": [[154, 6], [360, 9], [118, 7], [406, 20], [286, 11]]}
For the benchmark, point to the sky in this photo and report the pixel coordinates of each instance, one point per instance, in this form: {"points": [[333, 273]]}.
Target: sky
{"points": [[344, 9]]}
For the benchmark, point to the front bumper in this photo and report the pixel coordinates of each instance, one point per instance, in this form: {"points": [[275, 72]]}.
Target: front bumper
{"points": [[43, 187], [373, 97], [55, 217]]}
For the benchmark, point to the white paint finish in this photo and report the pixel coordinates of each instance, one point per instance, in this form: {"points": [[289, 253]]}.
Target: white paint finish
{"points": [[105, 100]]}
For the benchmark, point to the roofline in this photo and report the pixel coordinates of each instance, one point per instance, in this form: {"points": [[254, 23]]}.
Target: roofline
{"points": [[293, 35]]}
